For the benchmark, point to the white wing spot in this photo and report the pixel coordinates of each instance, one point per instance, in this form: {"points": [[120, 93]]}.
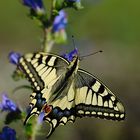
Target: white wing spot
{"points": [[44, 59], [34, 101], [122, 115], [100, 101], [29, 55], [113, 98], [54, 121], [72, 117], [111, 115], [30, 75], [99, 113], [117, 115], [21, 59], [89, 97], [33, 79], [105, 104], [37, 55], [38, 88], [87, 112], [115, 108], [34, 61], [93, 113], [25, 67], [106, 114], [33, 94], [34, 110], [51, 62], [104, 93], [64, 119], [110, 104], [81, 112], [35, 83], [120, 107], [96, 86], [28, 71], [80, 98], [94, 100], [28, 59], [23, 63]]}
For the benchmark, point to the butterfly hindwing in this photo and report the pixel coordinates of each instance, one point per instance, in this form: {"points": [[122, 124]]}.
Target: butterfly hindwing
{"points": [[93, 98], [59, 117], [63, 110]]}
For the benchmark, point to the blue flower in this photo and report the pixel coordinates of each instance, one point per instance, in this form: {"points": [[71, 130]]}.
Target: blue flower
{"points": [[8, 134], [36, 5], [7, 104], [40, 118], [14, 112], [60, 21], [14, 57], [70, 55], [72, 0]]}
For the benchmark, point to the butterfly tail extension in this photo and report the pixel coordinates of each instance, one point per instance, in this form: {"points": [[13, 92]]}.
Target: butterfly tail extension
{"points": [[59, 117], [53, 125], [32, 112]]}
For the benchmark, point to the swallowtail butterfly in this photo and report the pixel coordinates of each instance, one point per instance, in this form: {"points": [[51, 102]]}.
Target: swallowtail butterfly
{"points": [[65, 92]]}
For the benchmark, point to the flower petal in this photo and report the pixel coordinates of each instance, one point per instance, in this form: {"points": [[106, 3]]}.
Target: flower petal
{"points": [[14, 57], [60, 21]]}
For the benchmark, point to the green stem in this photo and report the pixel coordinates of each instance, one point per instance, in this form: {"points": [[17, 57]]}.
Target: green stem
{"points": [[53, 14], [48, 40], [36, 128], [35, 131]]}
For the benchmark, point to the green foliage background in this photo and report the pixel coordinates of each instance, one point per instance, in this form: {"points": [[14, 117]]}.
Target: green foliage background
{"points": [[110, 25]]}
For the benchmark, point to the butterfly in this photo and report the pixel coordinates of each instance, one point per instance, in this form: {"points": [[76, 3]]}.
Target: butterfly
{"points": [[64, 91]]}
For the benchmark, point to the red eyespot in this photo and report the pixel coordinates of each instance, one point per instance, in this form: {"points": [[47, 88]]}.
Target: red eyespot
{"points": [[47, 108]]}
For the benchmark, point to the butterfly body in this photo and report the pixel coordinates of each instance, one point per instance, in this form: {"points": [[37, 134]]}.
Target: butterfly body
{"points": [[69, 91]]}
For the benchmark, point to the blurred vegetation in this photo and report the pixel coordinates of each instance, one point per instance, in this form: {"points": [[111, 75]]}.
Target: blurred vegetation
{"points": [[110, 25]]}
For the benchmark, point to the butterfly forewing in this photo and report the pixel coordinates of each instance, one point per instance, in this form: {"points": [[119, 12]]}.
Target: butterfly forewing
{"points": [[42, 70], [93, 98]]}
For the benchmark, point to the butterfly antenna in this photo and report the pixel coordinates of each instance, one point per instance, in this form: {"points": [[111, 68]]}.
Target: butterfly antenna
{"points": [[74, 44], [100, 51]]}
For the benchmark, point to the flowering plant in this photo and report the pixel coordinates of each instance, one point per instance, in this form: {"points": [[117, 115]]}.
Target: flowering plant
{"points": [[53, 24]]}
